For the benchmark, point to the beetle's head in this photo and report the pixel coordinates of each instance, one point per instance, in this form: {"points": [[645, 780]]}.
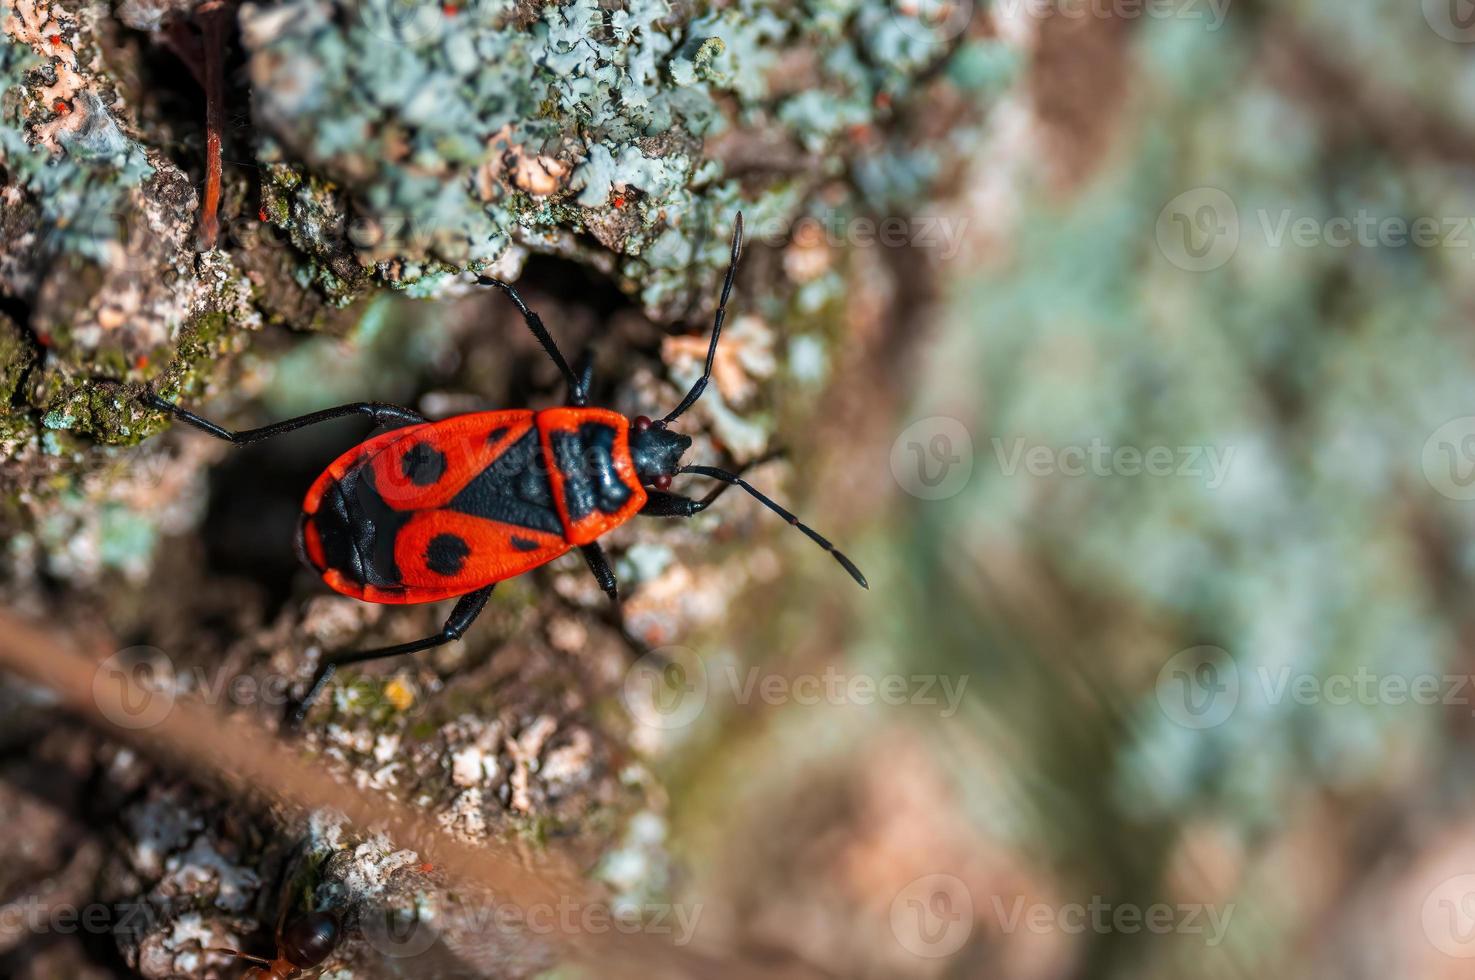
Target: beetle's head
{"points": [[656, 451]]}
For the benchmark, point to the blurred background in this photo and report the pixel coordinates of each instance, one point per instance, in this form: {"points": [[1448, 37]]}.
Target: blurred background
{"points": [[1124, 344], [1217, 706]]}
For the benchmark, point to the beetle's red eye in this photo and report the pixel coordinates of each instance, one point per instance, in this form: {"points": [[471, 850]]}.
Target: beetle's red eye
{"points": [[662, 482], [642, 422]]}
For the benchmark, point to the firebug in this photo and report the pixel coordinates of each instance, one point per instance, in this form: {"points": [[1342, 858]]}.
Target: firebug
{"points": [[426, 511]]}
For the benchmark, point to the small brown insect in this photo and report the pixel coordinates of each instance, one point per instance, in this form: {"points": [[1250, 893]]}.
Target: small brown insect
{"points": [[302, 944], [304, 938]]}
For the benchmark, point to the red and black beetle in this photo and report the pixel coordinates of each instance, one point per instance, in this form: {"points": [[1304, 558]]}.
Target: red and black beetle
{"points": [[432, 510]]}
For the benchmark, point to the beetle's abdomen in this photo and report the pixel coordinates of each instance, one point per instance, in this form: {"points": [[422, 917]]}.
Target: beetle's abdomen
{"points": [[353, 532]]}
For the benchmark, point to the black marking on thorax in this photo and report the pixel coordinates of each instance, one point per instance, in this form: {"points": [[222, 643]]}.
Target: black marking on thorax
{"points": [[590, 480]]}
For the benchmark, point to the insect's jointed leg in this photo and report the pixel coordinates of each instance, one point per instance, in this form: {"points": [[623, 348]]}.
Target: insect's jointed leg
{"points": [[658, 503], [599, 565], [461, 618], [535, 324], [381, 413]]}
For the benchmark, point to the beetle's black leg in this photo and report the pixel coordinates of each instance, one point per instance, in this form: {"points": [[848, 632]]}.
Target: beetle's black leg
{"points": [[535, 324], [466, 611], [381, 413], [658, 503], [599, 565]]}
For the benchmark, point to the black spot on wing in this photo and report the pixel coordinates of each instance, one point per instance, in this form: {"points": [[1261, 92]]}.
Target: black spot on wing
{"points": [[514, 489], [495, 436], [520, 543], [446, 554], [423, 464]]}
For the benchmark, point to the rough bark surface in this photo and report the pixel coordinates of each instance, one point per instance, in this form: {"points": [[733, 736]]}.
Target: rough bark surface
{"points": [[378, 155]]}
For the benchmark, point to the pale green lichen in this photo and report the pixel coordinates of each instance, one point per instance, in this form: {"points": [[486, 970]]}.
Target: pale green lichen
{"points": [[82, 192], [453, 134]]}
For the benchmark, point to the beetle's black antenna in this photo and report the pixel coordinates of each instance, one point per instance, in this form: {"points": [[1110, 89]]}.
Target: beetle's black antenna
{"points": [[814, 536], [701, 383]]}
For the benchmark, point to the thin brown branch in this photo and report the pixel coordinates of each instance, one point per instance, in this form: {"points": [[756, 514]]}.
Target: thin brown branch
{"points": [[238, 754]]}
